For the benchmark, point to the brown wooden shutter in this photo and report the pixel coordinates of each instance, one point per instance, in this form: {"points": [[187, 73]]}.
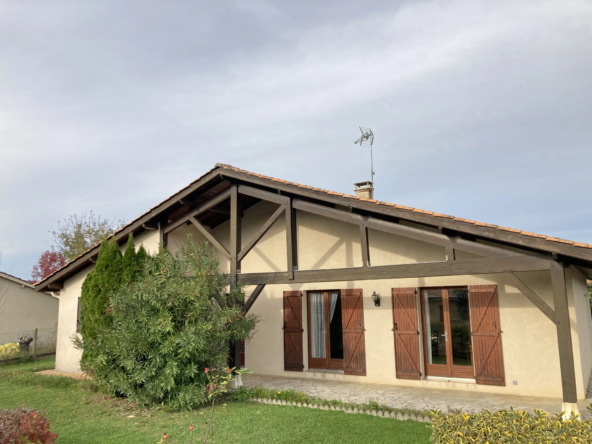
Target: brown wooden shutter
{"points": [[293, 347], [486, 332], [406, 333], [354, 347]]}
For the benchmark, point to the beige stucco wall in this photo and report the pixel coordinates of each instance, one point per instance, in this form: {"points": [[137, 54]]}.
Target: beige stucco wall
{"points": [[68, 357], [22, 309], [529, 339]]}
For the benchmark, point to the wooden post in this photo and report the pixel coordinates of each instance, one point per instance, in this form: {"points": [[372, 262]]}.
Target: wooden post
{"points": [[365, 246], [566, 357], [294, 237], [35, 343], [235, 235], [235, 246]]}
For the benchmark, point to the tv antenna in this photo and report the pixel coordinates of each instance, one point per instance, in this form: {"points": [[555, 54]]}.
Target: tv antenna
{"points": [[367, 139]]}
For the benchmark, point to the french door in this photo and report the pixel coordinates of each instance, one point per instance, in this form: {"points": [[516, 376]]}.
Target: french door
{"points": [[446, 321], [325, 334]]}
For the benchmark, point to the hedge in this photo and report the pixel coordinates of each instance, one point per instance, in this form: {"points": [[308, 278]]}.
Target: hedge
{"points": [[509, 426]]}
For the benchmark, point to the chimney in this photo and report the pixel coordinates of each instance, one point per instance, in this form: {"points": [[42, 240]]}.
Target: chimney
{"points": [[364, 189]]}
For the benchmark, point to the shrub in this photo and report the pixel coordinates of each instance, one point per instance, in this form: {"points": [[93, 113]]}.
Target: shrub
{"points": [[8, 351], [112, 271], [23, 425], [508, 426], [167, 326]]}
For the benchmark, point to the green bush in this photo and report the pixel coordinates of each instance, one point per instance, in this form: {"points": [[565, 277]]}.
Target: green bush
{"points": [[166, 327], [508, 426]]}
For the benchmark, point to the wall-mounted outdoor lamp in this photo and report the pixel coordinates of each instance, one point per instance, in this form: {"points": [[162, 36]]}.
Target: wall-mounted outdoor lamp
{"points": [[376, 299]]}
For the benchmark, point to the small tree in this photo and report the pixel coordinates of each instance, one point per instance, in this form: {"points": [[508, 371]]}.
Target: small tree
{"points": [[76, 234], [171, 323], [106, 277], [49, 262]]}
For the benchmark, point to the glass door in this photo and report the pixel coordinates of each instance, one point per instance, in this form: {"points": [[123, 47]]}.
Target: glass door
{"points": [[325, 335], [447, 332]]}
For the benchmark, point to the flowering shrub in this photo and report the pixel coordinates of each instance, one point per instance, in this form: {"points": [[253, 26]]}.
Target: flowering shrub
{"points": [[174, 320], [8, 351], [508, 426], [23, 425]]}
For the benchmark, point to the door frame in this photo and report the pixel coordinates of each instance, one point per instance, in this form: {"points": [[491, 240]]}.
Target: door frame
{"points": [[319, 363], [449, 369]]}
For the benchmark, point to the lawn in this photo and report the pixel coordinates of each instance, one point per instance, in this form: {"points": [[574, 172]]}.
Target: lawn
{"points": [[81, 416]]}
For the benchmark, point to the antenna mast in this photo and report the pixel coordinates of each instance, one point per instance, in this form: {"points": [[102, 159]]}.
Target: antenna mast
{"points": [[367, 139]]}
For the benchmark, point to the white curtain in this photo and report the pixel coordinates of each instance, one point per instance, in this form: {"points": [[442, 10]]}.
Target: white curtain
{"points": [[332, 304], [317, 325]]}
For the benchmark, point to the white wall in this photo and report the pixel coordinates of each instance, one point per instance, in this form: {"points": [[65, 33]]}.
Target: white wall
{"points": [[67, 357]]}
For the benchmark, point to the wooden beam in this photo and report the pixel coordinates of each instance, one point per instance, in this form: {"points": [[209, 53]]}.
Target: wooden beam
{"points": [[401, 230], [534, 298], [163, 237], [430, 269], [258, 289], [211, 239], [260, 233], [235, 235], [365, 246], [450, 254], [562, 321], [289, 239], [150, 226], [294, 239], [199, 210], [262, 194]]}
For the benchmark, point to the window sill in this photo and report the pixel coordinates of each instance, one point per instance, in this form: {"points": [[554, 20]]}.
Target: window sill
{"points": [[325, 370], [447, 379]]}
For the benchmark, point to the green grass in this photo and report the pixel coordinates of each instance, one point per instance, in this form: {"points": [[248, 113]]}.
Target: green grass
{"points": [[81, 416]]}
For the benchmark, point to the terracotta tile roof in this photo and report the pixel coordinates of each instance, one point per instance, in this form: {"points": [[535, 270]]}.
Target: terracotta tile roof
{"points": [[402, 207], [417, 210]]}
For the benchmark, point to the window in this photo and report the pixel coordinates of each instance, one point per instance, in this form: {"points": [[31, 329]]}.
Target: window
{"points": [[325, 335], [448, 348], [78, 317]]}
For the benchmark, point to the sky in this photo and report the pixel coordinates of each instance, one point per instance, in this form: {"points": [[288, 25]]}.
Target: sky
{"points": [[480, 109]]}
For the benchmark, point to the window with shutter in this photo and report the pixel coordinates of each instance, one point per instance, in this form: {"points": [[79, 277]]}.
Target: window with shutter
{"points": [[446, 317], [486, 333], [354, 347], [293, 348], [405, 328]]}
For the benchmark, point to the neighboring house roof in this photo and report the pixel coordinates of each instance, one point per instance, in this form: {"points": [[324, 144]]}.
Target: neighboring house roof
{"points": [[524, 239], [16, 280]]}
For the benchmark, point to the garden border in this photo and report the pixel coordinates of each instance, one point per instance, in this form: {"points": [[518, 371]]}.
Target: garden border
{"points": [[379, 413]]}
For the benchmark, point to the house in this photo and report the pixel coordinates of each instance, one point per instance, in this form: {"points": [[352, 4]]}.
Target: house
{"points": [[22, 309], [354, 289]]}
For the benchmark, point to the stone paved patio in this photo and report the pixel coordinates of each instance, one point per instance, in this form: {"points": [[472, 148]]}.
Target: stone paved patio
{"points": [[417, 398]]}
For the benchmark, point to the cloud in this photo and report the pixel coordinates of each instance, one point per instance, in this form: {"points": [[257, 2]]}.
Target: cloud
{"points": [[481, 109]]}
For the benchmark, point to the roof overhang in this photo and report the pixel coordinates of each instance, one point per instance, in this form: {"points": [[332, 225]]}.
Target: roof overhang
{"points": [[222, 176]]}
